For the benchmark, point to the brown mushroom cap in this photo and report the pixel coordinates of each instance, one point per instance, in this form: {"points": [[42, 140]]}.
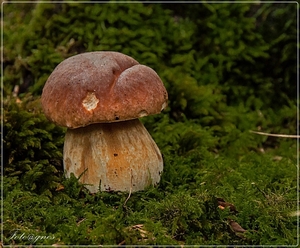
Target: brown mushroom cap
{"points": [[99, 87]]}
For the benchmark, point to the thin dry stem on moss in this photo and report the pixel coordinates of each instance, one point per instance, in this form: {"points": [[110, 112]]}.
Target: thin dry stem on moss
{"points": [[277, 135]]}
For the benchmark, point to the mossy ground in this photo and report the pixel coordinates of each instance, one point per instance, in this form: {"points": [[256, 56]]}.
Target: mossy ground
{"points": [[228, 69], [183, 210]]}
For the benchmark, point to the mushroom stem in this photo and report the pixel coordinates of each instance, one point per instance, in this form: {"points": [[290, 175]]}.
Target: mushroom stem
{"points": [[120, 156]]}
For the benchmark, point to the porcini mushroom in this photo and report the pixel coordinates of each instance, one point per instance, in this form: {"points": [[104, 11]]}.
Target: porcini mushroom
{"points": [[99, 97]]}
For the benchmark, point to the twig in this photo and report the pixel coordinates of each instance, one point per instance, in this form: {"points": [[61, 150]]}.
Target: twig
{"points": [[16, 91], [277, 135], [122, 243], [129, 189], [78, 223]]}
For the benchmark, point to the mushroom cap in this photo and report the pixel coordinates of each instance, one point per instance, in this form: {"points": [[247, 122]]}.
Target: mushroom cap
{"points": [[101, 87]]}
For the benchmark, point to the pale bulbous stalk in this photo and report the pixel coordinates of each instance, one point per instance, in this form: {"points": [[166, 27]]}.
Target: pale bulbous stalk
{"points": [[120, 156]]}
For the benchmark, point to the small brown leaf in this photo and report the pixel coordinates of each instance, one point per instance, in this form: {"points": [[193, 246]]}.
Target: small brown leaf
{"points": [[222, 204], [236, 227], [60, 187]]}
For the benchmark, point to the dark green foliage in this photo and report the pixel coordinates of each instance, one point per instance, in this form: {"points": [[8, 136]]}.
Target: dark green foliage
{"points": [[32, 146], [186, 213], [228, 68]]}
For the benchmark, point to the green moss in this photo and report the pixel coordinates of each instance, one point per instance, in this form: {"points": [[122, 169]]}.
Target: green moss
{"points": [[228, 69]]}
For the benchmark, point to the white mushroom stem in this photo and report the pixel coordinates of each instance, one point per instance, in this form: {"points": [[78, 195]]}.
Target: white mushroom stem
{"points": [[120, 156]]}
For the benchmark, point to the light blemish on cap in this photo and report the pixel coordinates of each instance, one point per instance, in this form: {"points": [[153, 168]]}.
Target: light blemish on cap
{"points": [[164, 106], [143, 113], [90, 101]]}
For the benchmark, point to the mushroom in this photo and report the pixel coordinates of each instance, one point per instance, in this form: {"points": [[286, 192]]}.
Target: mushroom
{"points": [[99, 97]]}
